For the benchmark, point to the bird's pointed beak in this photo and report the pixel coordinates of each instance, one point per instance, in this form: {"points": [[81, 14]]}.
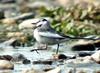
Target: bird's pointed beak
{"points": [[35, 24]]}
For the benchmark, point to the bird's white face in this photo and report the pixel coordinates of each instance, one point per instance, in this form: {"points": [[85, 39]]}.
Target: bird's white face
{"points": [[43, 23]]}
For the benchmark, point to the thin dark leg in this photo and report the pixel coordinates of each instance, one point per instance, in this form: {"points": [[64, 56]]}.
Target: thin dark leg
{"points": [[46, 46], [57, 49]]}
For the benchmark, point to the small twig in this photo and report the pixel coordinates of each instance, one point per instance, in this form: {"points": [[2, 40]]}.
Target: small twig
{"points": [[43, 62], [36, 49]]}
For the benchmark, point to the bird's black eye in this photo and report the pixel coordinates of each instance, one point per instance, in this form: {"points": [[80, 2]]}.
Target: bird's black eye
{"points": [[44, 20]]}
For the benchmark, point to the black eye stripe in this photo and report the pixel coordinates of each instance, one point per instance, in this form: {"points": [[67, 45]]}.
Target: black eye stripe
{"points": [[44, 20], [40, 25]]}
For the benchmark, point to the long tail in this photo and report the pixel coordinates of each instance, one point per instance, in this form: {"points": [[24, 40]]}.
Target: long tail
{"points": [[85, 38]]}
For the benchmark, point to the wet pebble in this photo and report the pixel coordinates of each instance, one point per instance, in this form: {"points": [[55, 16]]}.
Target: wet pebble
{"points": [[9, 21], [4, 64], [32, 70], [83, 54], [14, 20], [17, 57], [15, 43], [96, 57], [62, 56], [82, 45], [64, 2], [56, 70], [24, 16], [97, 43], [9, 41], [2, 14], [39, 4], [28, 23], [98, 71], [47, 62], [6, 57], [26, 61], [5, 71], [86, 60], [81, 71], [47, 69], [7, 1], [14, 34]]}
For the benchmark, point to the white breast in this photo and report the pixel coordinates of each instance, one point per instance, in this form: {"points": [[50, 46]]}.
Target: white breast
{"points": [[36, 35]]}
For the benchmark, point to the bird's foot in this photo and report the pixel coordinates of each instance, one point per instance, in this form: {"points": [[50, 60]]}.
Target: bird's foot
{"points": [[55, 56], [37, 49]]}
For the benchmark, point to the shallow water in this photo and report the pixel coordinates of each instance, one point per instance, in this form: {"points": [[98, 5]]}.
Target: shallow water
{"points": [[46, 54]]}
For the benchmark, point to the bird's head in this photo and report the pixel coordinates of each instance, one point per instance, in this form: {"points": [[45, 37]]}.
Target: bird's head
{"points": [[43, 23]]}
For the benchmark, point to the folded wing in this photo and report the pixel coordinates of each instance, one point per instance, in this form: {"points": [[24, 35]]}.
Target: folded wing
{"points": [[51, 35]]}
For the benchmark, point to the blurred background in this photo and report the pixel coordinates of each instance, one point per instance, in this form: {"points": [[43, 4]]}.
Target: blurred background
{"points": [[71, 17], [80, 18]]}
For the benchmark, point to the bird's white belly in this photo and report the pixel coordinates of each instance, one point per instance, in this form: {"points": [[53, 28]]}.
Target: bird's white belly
{"points": [[36, 35]]}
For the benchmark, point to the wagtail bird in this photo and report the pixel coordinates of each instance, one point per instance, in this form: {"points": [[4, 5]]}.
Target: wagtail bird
{"points": [[45, 34]]}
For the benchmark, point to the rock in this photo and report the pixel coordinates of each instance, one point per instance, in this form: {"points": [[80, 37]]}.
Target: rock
{"points": [[24, 16], [4, 64], [48, 68], [83, 45], [32, 71], [39, 4], [65, 3], [10, 12], [96, 57], [6, 57], [2, 14], [46, 62], [98, 71], [14, 20], [5, 71], [87, 59], [14, 34], [80, 61], [7, 1], [20, 40], [83, 3], [62, 57], [17, 57], [26, 61], [15, 43], [5, 7], [81, 71], [9, 42], [56, 70], [28, 23], [9, 21], [23, 39], [83, 54], [97, 43], [23, 6]]}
